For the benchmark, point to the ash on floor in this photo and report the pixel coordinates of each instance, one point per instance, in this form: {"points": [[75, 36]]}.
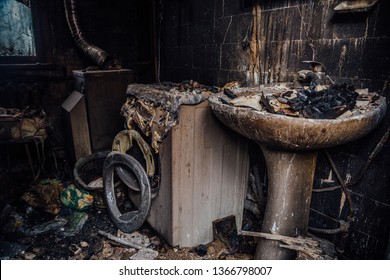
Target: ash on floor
{"points": [[88, 244]]}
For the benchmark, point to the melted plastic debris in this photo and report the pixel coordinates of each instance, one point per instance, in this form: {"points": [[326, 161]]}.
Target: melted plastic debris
{"points": [[330, 102], [154, 108], [309, 97]]}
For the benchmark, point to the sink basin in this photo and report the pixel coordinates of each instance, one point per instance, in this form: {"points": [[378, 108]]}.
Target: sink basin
{"points": [[296, 134], [289, 146]]}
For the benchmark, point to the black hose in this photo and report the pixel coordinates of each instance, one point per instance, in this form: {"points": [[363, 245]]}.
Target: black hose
{"points": [[99, 56]]}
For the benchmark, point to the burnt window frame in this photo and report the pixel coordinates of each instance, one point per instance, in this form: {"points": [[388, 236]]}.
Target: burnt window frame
{"points": [[40, 25]]}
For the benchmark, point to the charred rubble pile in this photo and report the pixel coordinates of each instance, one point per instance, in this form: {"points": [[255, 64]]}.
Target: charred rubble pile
{"points": [[309, 97], [325, 104]]}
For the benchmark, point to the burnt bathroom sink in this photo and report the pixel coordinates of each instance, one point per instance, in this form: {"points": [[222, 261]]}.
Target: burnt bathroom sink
{"points": [[289, 146], [296, 134]]}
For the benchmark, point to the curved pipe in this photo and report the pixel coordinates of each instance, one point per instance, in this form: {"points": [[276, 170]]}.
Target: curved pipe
{"points": [[99, 56], [344, 227]]}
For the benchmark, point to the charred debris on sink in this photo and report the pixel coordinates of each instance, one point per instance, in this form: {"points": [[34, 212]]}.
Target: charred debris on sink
{"points": [[314, 95]]}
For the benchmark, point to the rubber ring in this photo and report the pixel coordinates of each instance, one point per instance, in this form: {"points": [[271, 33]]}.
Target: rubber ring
{"points": [[133, 220], [129, 136]]}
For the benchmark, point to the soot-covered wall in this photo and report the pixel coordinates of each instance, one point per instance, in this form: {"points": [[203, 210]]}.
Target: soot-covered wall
{"points": [[256, 42], [218, 41], [122, 28], [264, 41]]}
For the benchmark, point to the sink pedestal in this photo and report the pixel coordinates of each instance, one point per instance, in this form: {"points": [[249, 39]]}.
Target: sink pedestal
{"points": [[290, 181], [289, 146]]}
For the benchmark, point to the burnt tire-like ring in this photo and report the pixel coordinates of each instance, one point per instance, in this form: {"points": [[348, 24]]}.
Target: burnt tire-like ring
{"points": [[133, 220], [122, 143]]}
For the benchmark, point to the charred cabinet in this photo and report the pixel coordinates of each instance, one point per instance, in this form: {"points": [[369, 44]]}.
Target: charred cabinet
{"points": [[105, 93]]}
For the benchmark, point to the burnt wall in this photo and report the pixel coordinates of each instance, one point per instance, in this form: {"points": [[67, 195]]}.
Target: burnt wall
{"points": [[256, 42], [123, 28], [219, 41]]}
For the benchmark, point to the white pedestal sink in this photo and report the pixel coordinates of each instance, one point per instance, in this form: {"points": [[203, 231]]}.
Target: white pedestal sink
{"points": [[289, 146]]}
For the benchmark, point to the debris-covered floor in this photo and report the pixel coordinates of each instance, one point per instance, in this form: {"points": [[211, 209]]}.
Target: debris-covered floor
{"points": [[57, 232], [89, 244], [69, 234]]}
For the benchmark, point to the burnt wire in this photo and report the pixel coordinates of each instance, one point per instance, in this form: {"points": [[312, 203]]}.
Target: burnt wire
{"points": [[328, 189], [161, 17], [373, 154], [40, 150], [344, 186], [246, 42]]}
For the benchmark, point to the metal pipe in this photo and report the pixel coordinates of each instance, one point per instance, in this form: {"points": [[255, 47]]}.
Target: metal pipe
{"points": [[344, 227], [99, 56]]}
